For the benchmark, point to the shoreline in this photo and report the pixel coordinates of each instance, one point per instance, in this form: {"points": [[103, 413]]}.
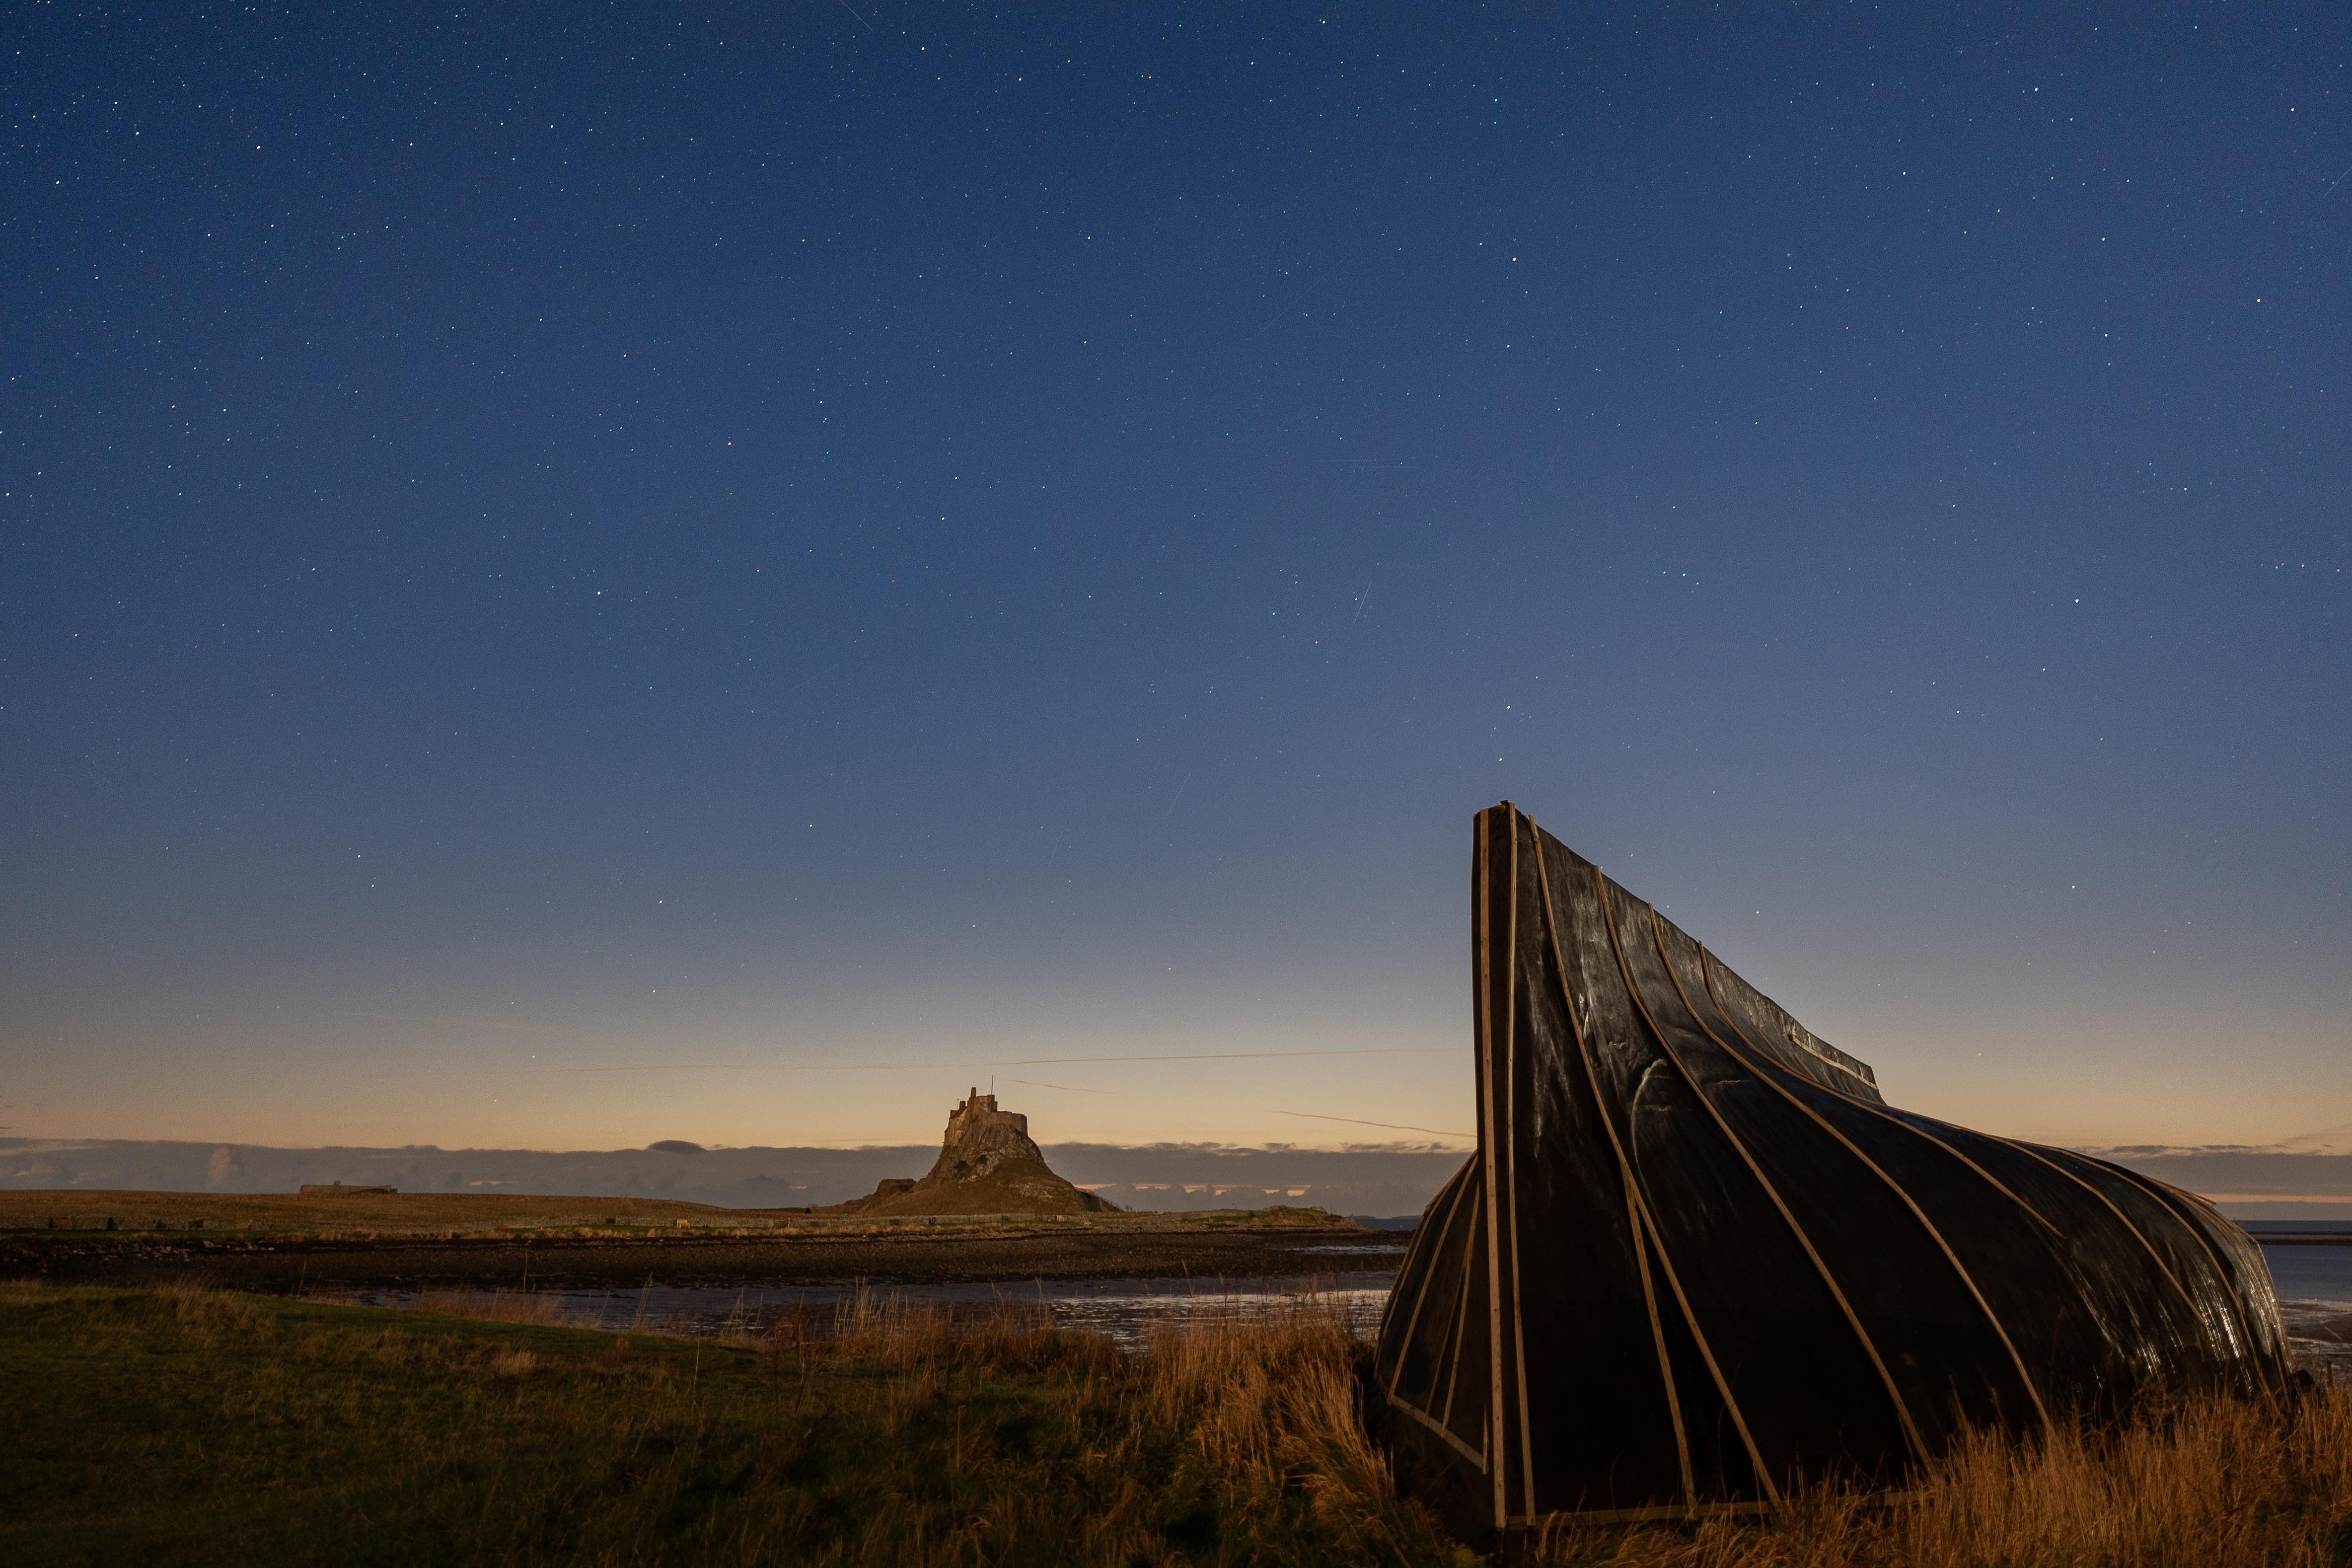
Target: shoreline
{"points": [[1145, 1248]]}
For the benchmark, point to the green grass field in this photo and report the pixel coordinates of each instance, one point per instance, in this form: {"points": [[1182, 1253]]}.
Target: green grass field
{"points": [[185, 1425]]}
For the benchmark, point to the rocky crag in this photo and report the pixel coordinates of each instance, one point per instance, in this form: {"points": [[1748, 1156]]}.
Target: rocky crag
{"points": [[987, 1165]]}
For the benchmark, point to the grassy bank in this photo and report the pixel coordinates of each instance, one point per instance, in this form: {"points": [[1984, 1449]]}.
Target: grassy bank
{"points": [[197, 1427], [194, 1426]]}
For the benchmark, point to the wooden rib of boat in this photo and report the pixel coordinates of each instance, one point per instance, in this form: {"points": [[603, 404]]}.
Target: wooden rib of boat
{"points": [[1697, 1260]]}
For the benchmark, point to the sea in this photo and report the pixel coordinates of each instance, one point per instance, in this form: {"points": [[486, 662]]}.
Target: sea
{"points": [[2314, 1274]]}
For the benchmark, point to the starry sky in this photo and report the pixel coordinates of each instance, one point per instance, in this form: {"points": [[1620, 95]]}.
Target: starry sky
{"points": [[576, 575]]}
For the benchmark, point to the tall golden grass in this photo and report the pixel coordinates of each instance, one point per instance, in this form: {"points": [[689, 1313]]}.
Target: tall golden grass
{"points": [[1271, 1404], [883, 1327], [1259, 1411], [2210, 1482]]}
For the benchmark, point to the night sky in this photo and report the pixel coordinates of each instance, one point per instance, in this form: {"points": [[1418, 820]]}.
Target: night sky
{"points": [[581, 575]]}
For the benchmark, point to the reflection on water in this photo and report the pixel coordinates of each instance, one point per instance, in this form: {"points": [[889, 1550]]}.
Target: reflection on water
{"points": [[1392, 1250], [1125, 1310], [2314, 1283]]}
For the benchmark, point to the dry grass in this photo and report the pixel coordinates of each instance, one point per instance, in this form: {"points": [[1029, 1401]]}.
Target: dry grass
{"points": [[190, 1425], [202, 1316], [2214, 1482], [498, 1306], [883, 1328], [1271, 1405], [1255, 1418]]}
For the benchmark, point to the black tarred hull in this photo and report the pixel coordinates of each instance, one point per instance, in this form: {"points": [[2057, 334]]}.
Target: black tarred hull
{"points": [[1697, 1259]]}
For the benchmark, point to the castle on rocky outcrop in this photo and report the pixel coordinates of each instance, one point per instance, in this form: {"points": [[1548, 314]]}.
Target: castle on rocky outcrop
{"points": [[987, 1165]]}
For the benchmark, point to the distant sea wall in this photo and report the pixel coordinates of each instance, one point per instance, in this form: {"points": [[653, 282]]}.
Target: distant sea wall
{"points": [[1372, 1180]]}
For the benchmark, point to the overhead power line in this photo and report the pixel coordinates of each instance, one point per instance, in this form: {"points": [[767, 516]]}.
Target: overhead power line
{"points": [[1014, 1061], [1393, 1127]]}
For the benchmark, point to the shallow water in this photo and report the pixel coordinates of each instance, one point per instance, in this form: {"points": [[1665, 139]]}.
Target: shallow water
{"points": [[1391, 1250], [2315, 1290], [1124, 1310], [2314, 1284], [2311, 1273]]}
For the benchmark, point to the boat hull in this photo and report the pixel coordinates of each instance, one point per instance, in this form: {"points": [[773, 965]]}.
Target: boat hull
{"points": [[1698, 1262]]}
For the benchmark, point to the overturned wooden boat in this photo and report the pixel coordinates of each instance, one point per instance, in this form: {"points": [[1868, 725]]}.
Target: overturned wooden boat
{"points": [[1697, 1261]]}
